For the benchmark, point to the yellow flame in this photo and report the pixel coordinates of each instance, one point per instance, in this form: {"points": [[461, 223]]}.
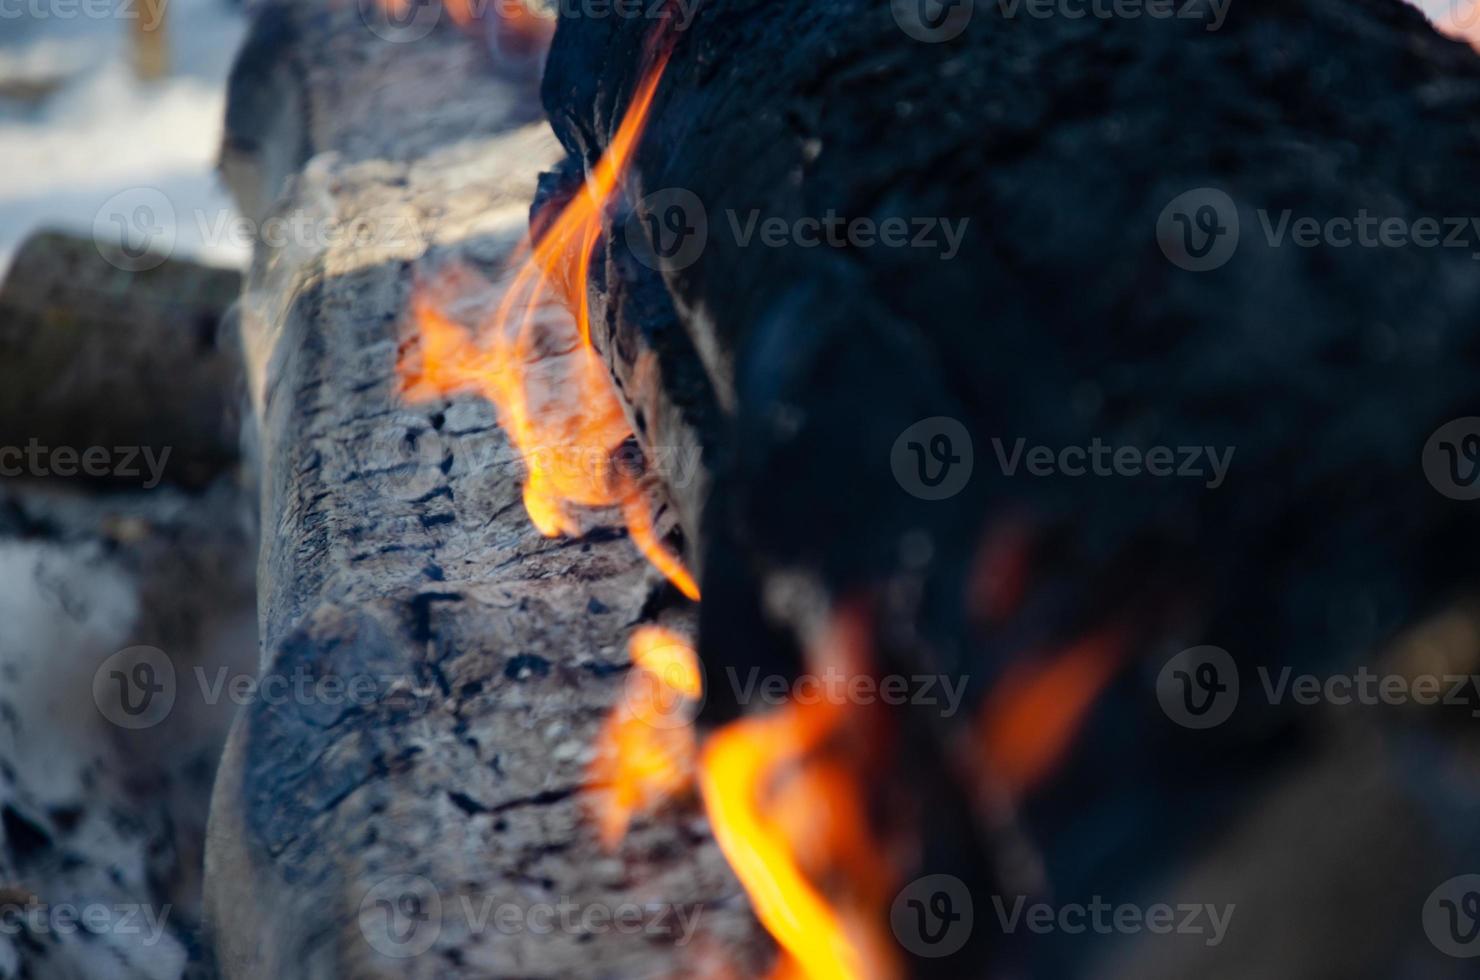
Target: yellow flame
{"points": [[552, 393], [645, 750], [780, 808]]}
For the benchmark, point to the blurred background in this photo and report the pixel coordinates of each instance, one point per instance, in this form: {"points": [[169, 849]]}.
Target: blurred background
{"points": [[91, 106], [111, 116]]}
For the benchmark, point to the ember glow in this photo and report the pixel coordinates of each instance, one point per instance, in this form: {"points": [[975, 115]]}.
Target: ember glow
{"points": [[787, 812], [1035, 711], [645, 752], [554, 396]]}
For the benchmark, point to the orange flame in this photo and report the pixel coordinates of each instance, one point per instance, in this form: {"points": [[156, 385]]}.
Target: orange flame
{"points": [[462, 12], [553, 395], [784, 813], [465, 12], [1034, 712], [646, 746]]}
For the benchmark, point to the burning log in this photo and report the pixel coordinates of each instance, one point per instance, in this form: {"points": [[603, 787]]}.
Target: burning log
{"points": [[841, 390], [431, 825]]}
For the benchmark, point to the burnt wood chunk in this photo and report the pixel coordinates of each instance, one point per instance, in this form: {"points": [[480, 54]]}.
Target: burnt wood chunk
{"points": [[1063, 185]]}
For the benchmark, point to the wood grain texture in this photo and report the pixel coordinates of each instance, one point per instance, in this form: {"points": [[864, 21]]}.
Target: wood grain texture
{"points": [[396, 550]]}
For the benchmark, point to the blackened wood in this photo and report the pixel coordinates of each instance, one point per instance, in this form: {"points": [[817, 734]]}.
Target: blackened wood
{"points": [[1059, 321]]}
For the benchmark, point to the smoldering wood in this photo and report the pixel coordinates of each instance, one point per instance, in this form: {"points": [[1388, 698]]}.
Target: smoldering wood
{"points": [[1059, 320], [397, 549], [96, 355]]}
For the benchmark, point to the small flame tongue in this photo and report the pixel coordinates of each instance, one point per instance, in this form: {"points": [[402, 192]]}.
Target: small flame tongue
{"points": [[554, 396], [784, 798], [645, 752]]}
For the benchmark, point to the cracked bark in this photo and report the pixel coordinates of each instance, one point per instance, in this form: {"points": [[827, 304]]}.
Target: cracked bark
{"points": [[395, 559]]}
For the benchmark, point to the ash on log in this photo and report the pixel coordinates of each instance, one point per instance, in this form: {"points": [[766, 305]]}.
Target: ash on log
{"points": [[1070, 313], [432, 828]]}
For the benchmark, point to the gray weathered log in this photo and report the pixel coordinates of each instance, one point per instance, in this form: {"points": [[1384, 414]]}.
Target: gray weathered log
{"points": [[370, 840], [96, 351], [118, 388]]}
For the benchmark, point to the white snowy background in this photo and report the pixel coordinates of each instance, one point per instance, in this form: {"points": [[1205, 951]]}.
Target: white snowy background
{"points": [[101, 131]]}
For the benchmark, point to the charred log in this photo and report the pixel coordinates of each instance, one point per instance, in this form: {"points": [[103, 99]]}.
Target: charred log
{"points": [[1062, 317]]}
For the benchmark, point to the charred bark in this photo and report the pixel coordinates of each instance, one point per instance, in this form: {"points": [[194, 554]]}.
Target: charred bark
{"points": [[1069, 313]]}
